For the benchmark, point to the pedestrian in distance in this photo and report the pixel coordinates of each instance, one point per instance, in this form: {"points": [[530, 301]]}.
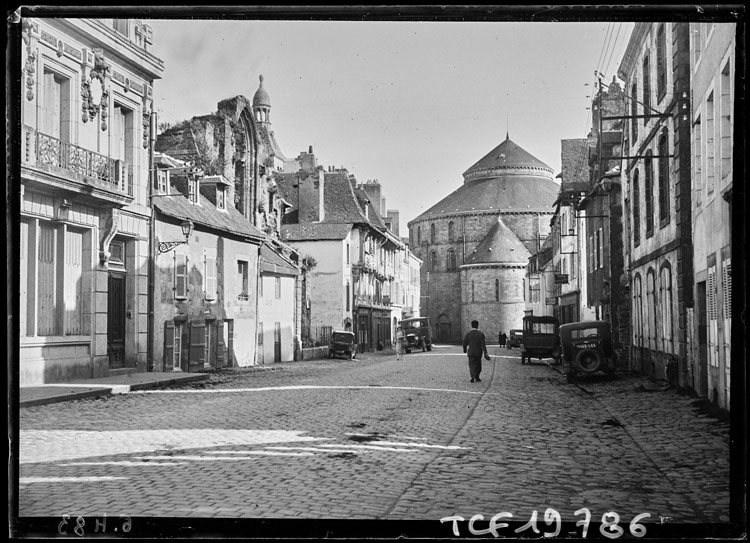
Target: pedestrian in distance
{"points": [[399, 343], [475, 346], [502, 338]]}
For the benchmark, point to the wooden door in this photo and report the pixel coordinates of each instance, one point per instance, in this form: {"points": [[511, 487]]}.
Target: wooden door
{"points": [[116, 320]]}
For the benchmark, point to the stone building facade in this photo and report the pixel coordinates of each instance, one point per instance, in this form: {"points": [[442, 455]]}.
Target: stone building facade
{"points": [[656, 190], [483, 235], [84, 236], [712, 69]]}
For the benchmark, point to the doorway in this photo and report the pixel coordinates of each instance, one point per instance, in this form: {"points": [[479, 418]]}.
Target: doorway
{"points": [[116, 320]]}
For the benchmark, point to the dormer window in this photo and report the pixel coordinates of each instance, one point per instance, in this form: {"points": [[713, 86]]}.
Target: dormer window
{"points": [[221, 197], [193, 190]]}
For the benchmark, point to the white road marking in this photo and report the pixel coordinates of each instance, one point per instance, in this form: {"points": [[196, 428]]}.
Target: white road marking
{"points": [[425, 445], [300, 387], [89, 479], [124, 463], [61, 445], [198, 458], [369, 447]]}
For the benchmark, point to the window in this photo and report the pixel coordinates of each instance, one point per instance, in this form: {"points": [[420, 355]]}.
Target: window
{"points": [[497, 290], [120, 26], [55, 115], [712, 311], [277, 287], [242, 280], [419, 235], [347, 254], [221, 197], [348, 292], [260, 286], [710, 144], [193, 190], [433, 261], [637, 311], [646, 89], [209, 274], [663, 179], [122, 144], [432, 233], [452, 260], [179, 330], [649, 189], [665, 301], [600, 249], [636, 210], [725, 120], [651, 308], [473, 298], [162, 186], [450, 231], [697, 162], [634, 113], [661, 62], [180, 276]]}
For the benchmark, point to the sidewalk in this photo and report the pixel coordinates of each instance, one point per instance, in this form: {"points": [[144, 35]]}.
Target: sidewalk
{"points": [[93, 388]]}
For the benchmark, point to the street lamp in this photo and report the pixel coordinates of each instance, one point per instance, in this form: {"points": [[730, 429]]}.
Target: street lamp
{"points": [[187, 229]]}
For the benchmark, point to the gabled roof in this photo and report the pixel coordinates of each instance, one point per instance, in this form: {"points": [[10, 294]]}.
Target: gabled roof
{"points": [[500, 245], [341, 204], [574, 160]]}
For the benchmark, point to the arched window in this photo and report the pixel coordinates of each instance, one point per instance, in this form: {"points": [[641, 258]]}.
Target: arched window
{"points": [[497, 290], [473, 298], [432, 233], [651, 306], [419, 235], [450, 231], [661, 62], [663, 180], [665, 302], [451, 260], [646, 88], [636, 210], [649, 192], [433, 261], [634, 112], [637, 311]]}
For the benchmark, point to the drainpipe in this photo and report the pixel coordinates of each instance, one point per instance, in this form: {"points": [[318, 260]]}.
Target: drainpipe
{"points": [[150, 324]]}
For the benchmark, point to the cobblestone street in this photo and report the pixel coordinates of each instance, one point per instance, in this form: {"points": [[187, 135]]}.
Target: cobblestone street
{"points": [[378, 438]]}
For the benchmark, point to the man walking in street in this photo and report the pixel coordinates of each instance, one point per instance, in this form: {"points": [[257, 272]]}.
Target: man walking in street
{"points": [[475, 346]]}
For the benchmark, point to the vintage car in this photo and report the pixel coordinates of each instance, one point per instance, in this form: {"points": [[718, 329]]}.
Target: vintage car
{"points": [[540, 338], [515, 338], [417, 334], [587, 348], [342, 343]]}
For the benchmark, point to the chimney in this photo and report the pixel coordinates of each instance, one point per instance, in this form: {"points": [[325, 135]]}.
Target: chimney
{"points": [[311, 193]]}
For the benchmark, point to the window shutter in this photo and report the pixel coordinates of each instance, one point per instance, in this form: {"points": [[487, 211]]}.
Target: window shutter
{"points": [[197, 345], [73, 279], [168, 346], [209, 270], [180, 275], [727, 276], [220, 353]]}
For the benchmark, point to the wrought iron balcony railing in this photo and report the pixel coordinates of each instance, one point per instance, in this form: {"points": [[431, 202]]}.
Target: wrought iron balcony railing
{"points": [[114, 175]]}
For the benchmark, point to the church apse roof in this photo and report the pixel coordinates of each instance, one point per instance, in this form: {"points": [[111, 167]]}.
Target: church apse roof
{"points": [[506, 179], [499, 245]]}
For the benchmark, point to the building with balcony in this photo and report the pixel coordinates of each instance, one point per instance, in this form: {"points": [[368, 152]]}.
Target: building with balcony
{"points": [[712, 69], [656, 190], [477, 241], [84, 247]]}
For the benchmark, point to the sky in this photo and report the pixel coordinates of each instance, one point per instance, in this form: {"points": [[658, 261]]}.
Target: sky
{"points": [[411, 104]]}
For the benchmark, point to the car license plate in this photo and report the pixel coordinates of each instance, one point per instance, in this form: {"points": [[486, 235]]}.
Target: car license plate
{"points": [[586, 345]]}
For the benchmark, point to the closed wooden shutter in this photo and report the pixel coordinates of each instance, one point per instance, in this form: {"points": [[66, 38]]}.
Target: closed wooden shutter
{"points": [[73, 280], [180, 275], [727, 278], [197, 355], [209, 271], [46, 280], [221, 330], [169, 337], [711, 309]]}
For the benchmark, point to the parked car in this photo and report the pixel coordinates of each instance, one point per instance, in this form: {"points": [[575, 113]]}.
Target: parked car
{"points": [[342, 343], [516, 338], [540, 338], [417, 334], [587, 348]]}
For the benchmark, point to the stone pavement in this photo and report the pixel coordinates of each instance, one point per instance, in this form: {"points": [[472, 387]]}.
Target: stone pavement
{"points": [[377, 438]]}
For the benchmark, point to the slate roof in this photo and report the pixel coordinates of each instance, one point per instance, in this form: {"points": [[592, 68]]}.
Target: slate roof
{"points": [[314, 231], [512, 193], [341, 205], [270, 140], [507, 155], [272, 261], [499, 245], [574, 159], [205, 214]]}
